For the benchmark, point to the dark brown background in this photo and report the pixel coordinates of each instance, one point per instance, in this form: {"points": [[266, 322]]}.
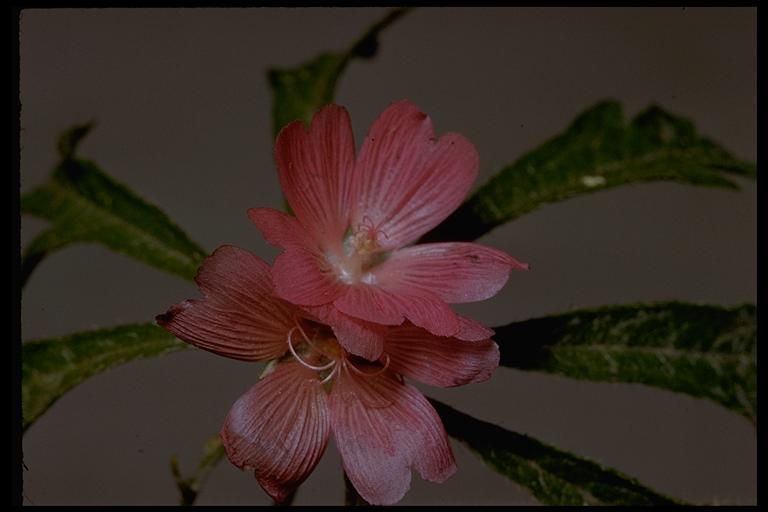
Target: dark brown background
{"points": [[183, 111]]}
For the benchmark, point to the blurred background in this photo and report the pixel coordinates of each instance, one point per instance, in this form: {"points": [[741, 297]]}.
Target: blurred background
{"points": [[183, 111]]}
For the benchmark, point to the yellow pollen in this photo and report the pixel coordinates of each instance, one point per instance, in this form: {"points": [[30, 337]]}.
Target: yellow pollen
{"points": [[328, 346], [364, 242]]}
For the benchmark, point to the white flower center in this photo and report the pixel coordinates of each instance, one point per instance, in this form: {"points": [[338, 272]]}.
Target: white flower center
{"points": [[362, 252]]}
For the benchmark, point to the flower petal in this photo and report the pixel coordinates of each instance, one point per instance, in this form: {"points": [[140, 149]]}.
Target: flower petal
{"points": [[456, 272], [279, 428], [370, 303], [437, 360], [364, 339], [315, 170], [301, 273], [303, 277], [279, 228], [240, 317], [471, 330], [406, 181], [383, 428], [375, 304]]}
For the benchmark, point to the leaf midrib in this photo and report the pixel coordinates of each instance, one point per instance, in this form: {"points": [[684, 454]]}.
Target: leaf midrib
{"points": [[602, 168], [677, 353], [117, 351], [499, 186], [587, 496], [94, 209]]}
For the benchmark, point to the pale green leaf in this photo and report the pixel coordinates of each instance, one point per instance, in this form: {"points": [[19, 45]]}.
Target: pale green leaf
{"points": [[51, 367], [703, 351], [598, 151], [84, 204], [553, 476]]}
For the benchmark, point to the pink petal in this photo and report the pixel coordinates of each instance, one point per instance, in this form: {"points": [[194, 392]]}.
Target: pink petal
{"points": [[315, 171], [455, 272], [470, 330], [375, 304], [383, 428], [279, 428], [439, 361], [406, 180], [303, 277], [279, 228], [301, 273], [431, 313], [370, 303], [240, 317], [364, 339]]}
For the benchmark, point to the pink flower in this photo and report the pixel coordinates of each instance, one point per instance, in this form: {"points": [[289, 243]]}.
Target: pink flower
{"points": [[383, 427], [346, 256]]}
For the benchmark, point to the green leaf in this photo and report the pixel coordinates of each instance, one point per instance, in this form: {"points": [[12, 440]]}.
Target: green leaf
{"points": [[84, 204], [598, 151], [553, 476], [51, 367], [297, 93], [703, 351], [190, 487]]}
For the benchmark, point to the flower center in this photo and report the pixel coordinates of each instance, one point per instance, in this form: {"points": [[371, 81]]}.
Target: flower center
{"points": [[362, 252], [362, 243], [323, 354]]}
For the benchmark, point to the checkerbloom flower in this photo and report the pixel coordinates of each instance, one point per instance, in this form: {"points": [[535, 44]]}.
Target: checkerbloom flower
{"points": [[313, 386], [347, 254]]}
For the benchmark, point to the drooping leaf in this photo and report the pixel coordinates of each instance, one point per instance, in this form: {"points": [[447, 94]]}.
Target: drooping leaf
{"points": [[298, 92], [599, 150], [190, 487], [51, 367], [84, 204], [553, 476], [703, 351]]}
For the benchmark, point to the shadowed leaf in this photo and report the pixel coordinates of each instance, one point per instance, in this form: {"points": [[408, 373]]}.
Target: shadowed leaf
{"points": [[51, 367], [703, 351], [190, 487], [84, 204], [297, 93], [598, 151], [553, 476]]}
